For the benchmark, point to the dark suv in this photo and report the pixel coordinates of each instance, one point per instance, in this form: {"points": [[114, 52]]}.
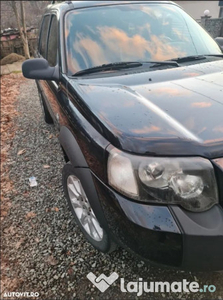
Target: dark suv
{"points": [[135, 89]]}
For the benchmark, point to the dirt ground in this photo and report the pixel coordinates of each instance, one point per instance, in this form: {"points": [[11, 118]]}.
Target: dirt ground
{"points": [[9, 91]]}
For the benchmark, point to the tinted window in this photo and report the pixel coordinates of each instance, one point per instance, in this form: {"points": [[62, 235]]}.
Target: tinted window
{"points": [[43, 36], [134, 32], [52, 44]]}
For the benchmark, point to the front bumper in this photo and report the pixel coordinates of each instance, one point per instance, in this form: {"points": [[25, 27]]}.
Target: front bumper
{"points": [[165, 235]]}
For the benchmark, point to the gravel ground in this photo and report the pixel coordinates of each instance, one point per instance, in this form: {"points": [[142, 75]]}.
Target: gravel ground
{"points": [[43, 249]]}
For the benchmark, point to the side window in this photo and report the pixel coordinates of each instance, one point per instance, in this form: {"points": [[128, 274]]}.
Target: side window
{"points": [[43, 36], [53, 43]]}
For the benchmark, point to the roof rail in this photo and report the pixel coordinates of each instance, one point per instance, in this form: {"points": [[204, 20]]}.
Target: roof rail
{"points": [[53, 2]]}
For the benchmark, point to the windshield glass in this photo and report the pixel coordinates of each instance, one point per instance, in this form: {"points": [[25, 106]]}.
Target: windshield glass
{"points": [[132, 32]]}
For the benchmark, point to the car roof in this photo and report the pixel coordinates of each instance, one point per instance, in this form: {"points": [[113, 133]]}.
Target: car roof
{"points": [[79, 4], [64, 6]]}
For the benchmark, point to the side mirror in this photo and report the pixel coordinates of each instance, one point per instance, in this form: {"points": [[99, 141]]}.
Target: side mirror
{"points": [[219, 41], [38, 68]]}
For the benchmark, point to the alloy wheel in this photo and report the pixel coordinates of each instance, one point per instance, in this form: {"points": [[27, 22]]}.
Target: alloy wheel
{"points": [[82, 208]]}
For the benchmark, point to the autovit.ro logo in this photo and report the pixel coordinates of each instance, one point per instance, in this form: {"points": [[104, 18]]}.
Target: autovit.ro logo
{"points": [[21, 295], [139, 287]]}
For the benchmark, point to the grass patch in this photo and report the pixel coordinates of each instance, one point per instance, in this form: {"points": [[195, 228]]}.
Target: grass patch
{"points": [[17, 72]]}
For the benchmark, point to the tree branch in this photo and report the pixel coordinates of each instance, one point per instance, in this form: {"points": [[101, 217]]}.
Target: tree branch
{"points": [[22, 32], [23, 18]]}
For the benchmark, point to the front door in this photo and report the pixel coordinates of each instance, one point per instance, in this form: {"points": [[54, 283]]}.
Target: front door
{"points": [[53, 93]]}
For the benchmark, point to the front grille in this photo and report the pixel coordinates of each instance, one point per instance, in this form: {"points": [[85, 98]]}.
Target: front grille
{"points": [[218, 165]]}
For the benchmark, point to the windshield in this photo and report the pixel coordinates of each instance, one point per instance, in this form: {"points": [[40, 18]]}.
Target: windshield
{"points": [[132, 32]]}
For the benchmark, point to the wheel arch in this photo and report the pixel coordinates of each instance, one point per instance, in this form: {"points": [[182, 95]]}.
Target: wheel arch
{"points": [[73, 153], [71, 149]]}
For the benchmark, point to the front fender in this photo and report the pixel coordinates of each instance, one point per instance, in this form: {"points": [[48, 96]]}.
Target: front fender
{"points": [[71, 148]]}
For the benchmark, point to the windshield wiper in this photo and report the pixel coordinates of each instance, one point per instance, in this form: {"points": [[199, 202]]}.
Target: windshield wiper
{"points": [[160, 63], [134, 64], [194, 57], [124, 65], [217, 55], [109, 67], [188, 58]]}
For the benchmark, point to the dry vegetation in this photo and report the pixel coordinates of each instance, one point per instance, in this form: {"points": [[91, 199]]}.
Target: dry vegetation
{"points": [[34, 11], [9, 92], [11, 58]]}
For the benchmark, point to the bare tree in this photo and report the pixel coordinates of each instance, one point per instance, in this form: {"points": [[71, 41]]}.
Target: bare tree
{"points": [[34, 11], [21, 23]]}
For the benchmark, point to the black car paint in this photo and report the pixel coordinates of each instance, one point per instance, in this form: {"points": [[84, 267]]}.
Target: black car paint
{"points": [[150, 113], [195, 245], [87, 126]]}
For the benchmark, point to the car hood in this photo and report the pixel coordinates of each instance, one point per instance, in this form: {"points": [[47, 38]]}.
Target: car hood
{"points": [[177, 111]]}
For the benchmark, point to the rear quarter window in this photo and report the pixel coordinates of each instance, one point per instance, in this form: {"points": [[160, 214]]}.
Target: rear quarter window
{"points": [[43, 36], [53, 42]]}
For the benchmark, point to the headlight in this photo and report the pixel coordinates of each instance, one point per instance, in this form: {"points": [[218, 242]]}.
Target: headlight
{"points": [[186, 181]]}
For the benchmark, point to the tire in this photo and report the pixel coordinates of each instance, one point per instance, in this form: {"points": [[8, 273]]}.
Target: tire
{"points": [[101, 239], [47, 117]]}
